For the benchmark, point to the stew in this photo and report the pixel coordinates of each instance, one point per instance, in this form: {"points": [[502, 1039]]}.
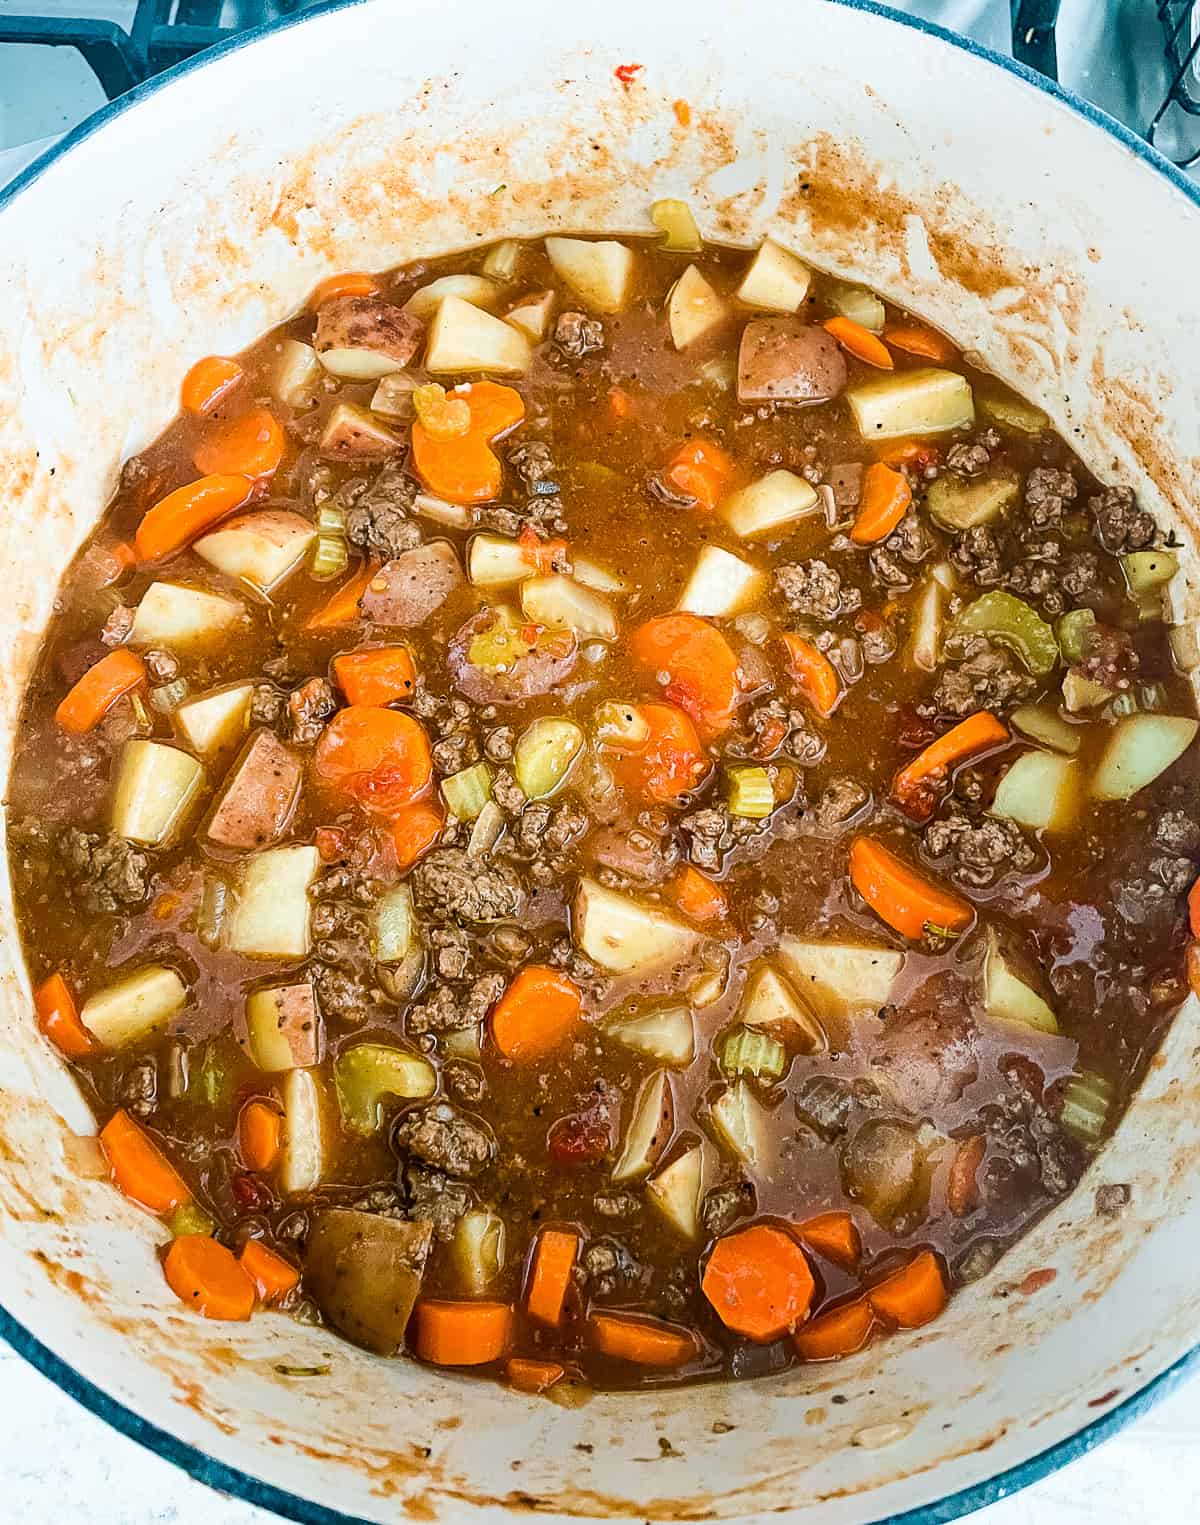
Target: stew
{"points": [[607, 812]]}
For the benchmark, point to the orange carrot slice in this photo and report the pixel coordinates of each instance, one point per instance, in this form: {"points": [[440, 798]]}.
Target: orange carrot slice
{"points": [[700, 666], [529, 1376], [840, 1332], [669, 763], [376, 675], [139, 1167], [349, 283], [813, 674], [462, 1334], [58, 1019], [204, 1274], [886, 497], [260, 1134], [342, 606], [554, 1259], [902, 897], [759, 1282], [642, 1341], [414, 831], [535, 1014], [272, 1275], [379, 757], [833, 1235], [208, 381], [920, 341], [697, 895], [917, 785], [962, 1187], [700, 469], [251, 446], [912, 1296], [1194, 909], [860, 342], [98, 690], [177, 519], [465, 469]]}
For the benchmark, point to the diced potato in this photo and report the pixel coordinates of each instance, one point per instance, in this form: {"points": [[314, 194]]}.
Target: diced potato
{"points": [[560, 603], [454, 515], [502, 260], [465, 338], [1041, 791], [674, 218], [624, 936], [956, 504], [496, 561], [721, 584], [929, 618], [1148, 572], [859, 305], [1047, 726], [367, 1072], [694, 309], [135, 1006], [395, 930], [270, 914], [1184, 640], [741, 1122], [835, 977], [156, 787], [1140, 748], [1080, 693], [926, 401], [464, 1043], [773, 502], [364, 338], [298, 375], [478, 1250], [283, 1028], [1010, 411], [486, 832], [532, 315], [393, 397], [352, 433], [349, 1257], [776, 280], [476, 289], [214, 723], [773, 1005], [175, 616], [677, 1189], [592, 575], [1009, 998], [666, 1033], [545, 753], [305, 1148], [651, 1126], [598, 272], [261, 548]]}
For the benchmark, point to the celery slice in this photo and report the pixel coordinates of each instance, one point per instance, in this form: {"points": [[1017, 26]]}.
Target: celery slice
{"points": [[674, 218], [1148, 571], [329, 556], [1011, 622], [189, 1218], [467, 792], [365, 1074], [1072, 631], [544, 754], [747, 1051], [1087, 1099], [750, 793]]}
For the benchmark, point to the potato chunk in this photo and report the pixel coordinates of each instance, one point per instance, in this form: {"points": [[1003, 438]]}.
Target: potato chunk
{"points": [[363, 338]]}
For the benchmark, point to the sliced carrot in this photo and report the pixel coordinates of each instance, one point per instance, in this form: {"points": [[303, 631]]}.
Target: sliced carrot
{"points": [[208, 381], [669, 763], [272, 1275], [699, 665], [466, 469], [962, 1187], [900, 895], [909, 452], [414, 831], [139, 1167], [833, 1235], [700, 469], [529, 1376], [462, 1334], [98, 690], [379, 757], [1193, 968], [697, 895], [620, 404], [535, 1014], [1194, 909], [543, 555], [177, 519], [376, 674], [58, 1018], [642, 1341], [252, 446], [860, 342], [919, 341], [759, 1282], [554, 1259], [332, 842], [260, 1134], [813, 673], [342, 607], [885, 500], [840, 1332], [204, 1274], [912, 1296], [350, 283], [919, 783]]}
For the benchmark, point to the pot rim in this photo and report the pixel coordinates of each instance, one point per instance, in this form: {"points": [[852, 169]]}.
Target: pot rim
{"points": [[218, 1475]]}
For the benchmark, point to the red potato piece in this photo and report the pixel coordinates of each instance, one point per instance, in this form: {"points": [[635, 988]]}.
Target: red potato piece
{"points": [[405, 592], [846, 481], [538, 672], [352, 433], [785, 360], [368, 323], [259, 797], [299, 1023], [634, 855]]}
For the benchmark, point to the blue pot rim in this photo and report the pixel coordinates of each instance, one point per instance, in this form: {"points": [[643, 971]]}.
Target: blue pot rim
{"points": [[241, 1485]]}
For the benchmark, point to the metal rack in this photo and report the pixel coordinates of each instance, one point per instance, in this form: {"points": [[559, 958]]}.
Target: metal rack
{"points": [[1180, 22]]}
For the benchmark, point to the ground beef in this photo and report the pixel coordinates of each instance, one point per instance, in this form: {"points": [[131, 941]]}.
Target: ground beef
{"points": [[888, 570], [137, 1090], [912, 539], [1047, 494], [454, 753], [534, 466], [980, 851], [842, 801], [498, 744], [379, 522], [1079, 576], [1142, 902], [1030, 1145], [968, 460], [616, 1204], [464, 1081], [106, 873], [1175, 874], [442, 1136], [1112, 1200], [135, 476], [712, 833], [115, 629], [977, 555], [577, 335], [816, 589], [724, 1205], [1109, 657], [341, 994], [1038, 578], [508, 794], [266, 704], [606, 1268], [451, 949], [433, 1198], [450, 1008], [1176, 832], [308, 710], [877, 639], [1121, 526], [987, 678]]}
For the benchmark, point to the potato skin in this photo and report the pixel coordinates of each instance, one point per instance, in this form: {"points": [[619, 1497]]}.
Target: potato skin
{"points": [[785, 360]]}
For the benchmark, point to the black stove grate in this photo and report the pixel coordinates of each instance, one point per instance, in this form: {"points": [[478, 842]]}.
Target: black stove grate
{"points": [[1180, 21]]}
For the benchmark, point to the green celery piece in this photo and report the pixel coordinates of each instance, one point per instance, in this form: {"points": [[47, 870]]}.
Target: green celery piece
{"points": [[1072, 630], [365, 1074], [1011, 622]]}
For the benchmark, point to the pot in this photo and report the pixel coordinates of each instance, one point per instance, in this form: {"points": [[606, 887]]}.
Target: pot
{"points": [[200, 211]]}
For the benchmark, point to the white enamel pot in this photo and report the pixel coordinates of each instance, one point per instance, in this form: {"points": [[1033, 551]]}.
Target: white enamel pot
{"points": [[200, 211]]}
